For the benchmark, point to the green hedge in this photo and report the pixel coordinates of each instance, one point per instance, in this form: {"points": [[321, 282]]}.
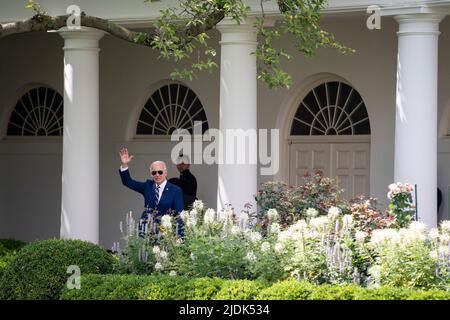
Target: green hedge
{"points": [[39, 270], [294, 290], [134, 287], [5, 260], [128, 287], [8, 250], [8, 245]]}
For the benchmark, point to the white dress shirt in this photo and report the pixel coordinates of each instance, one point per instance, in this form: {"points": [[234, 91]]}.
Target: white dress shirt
{"points": [[161, 188]]}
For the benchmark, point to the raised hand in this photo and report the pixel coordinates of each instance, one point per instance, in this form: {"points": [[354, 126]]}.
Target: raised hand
{"points": [[125, 158]]}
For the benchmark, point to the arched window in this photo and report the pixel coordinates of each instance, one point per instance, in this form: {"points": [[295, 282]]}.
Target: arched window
{"points": [[171, 107], [39, 112], [332, 108]]}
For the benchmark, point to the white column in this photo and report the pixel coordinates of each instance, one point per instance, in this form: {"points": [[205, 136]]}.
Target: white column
{"points": [[80, 172], [237, 183], [416, 109]]}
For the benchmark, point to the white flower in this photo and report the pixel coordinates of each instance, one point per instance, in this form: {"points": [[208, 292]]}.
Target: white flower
{"points": [[417, 226], [319, 222], [179, 241], [265, 247], [408, 187], [225, 215], [333, 213], [360, 236], [284, 236], [166, 222], [250, 256], [299, 226], [254, 236], [396, 188], [272, 214], [380, 236], [198, 205], [193, 257], [312, 234], [295, 274], [163, 254], [279, 247], [156, 250], [375, 273], [158, 266], [274, 228], [311, 213], [184, 215], [434, 234], [434, 254], [209, 216], [443, 250], [347, 220], [192, 218], [173, 273], [235, 230], [243, 220], [445, 226], [445, 238], [411, 235]]}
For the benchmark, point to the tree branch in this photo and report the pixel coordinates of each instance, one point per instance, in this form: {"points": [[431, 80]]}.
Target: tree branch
{"points": [[44, 23]]}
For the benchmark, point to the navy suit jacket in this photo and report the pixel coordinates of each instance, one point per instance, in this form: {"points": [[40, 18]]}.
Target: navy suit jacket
{"points": [[171, 199]]}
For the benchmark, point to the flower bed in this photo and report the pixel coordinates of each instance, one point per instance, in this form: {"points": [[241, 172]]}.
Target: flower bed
{"points": [[350, 243]]}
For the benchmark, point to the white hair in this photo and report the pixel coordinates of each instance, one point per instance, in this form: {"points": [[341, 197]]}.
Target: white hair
{"points": [[159, 162]]}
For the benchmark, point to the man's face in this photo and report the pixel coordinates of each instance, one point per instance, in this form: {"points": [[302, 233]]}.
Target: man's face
{"points": [[156, 171], [182, 166]]}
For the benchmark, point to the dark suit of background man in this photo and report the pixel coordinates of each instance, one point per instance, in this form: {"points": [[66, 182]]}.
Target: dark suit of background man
{"points": [[168, 199], [188, 182]]}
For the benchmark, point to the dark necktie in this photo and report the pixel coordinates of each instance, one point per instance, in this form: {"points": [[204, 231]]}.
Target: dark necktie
{"points": [[157, 195]]}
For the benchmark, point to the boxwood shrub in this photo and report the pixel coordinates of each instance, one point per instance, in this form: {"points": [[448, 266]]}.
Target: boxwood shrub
{"points": [[287, 290], [5, 259], [39, 270], [8, 249], [11, 245], [239, 290], [109, 287]]}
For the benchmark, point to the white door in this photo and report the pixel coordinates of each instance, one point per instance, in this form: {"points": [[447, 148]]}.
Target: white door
{"points": [[308, 157], [348, 163]]}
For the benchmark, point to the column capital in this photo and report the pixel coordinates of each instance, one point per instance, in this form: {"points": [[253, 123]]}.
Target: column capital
{"points": [[81, 33], [419, 23], [83, 38], [234, 33]]}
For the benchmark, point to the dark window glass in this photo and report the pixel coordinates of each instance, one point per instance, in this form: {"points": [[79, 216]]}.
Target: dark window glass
{"points": [[39, 112], [332, 108], [171, 107]]}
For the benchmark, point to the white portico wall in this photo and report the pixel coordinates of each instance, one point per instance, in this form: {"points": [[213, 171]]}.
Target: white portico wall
{"points": [[416, 109], [237, 183], [32, 181], [80, 172]]}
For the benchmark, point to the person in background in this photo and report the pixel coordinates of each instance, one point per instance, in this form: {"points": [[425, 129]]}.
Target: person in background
{"points": [[188, 182], [439, 198]]}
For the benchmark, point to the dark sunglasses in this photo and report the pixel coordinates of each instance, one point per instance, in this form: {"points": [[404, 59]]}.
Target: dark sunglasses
{"points": [[160, 172]]}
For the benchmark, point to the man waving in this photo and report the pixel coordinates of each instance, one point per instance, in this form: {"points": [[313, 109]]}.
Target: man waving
{"points": [[160, 196]]}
